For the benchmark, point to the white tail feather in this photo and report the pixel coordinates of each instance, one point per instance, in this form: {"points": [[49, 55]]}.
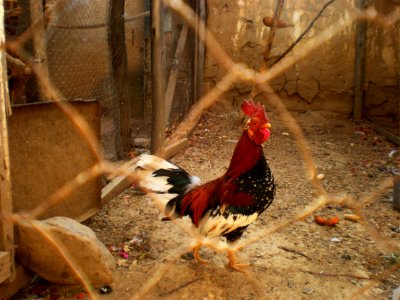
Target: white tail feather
{"points": [[151, 162]]}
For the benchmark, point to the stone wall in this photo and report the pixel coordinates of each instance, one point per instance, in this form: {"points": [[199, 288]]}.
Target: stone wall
{"points": [[322, 80]]}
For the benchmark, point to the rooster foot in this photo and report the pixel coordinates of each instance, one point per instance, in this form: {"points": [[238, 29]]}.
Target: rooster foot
{"points": [[196, 254], [233, 263]]}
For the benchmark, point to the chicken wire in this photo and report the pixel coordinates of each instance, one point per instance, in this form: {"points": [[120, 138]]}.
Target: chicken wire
{"points": [[234, 72]]}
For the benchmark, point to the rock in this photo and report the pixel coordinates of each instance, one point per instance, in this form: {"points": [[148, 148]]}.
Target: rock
{"points": [[89, 254], [307, 89], [291, 87], [243, 87], [142, 143], [308, 291]]}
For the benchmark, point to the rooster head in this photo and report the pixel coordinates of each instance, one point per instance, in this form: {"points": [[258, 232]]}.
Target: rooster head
{"points": [[258, 124]]}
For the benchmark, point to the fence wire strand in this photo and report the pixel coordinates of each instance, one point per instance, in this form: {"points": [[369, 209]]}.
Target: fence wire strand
{"points": [[234, 72]]}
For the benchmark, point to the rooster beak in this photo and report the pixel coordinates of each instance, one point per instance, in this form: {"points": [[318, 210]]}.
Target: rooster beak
{"points": [[267, 125]]}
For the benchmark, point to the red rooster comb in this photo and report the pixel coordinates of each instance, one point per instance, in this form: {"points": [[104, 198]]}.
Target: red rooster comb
{"points": [[254, 110]]}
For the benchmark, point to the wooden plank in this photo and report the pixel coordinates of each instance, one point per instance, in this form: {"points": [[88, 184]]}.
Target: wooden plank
{"points": [[39, 41], [6, 228], [118, 184], [390, 136], [359, 66], [175, 148], [169, 94], [199, 50], [5, 270], [159, 117], [53, 153]]}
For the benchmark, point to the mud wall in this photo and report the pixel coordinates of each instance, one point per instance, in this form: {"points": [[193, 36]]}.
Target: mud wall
{"points": [[382, 80], [322, 80]]}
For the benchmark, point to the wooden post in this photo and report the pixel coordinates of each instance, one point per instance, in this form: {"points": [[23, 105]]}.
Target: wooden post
{"points": [[169, 94], [159, 117], [116, 38], [6, 228], [199, 50], [39, 41], [271, 35], [359, 67], [396, 193]]}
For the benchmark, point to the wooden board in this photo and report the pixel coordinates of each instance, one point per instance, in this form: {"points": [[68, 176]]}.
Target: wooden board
{"points": [[46, 152], [6, 228], [5, 271]]}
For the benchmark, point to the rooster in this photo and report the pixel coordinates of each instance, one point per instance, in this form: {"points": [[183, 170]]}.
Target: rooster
{"points": [[225, 206]]}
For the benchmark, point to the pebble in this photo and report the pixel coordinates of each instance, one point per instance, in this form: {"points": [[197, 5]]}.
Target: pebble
{"points": [[336, 240], [396, 229], [308, 291], [352, 217]]}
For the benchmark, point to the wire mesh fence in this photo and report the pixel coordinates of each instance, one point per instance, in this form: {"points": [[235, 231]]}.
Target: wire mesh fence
{"points": [[68, 77]]}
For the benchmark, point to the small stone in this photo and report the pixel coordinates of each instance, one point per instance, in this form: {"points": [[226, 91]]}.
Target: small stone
{"points": [[320, 176], [352, 217], [308, 291], [396, 229], [285, 133], [336, 240], [346, 257], [106, 289]]}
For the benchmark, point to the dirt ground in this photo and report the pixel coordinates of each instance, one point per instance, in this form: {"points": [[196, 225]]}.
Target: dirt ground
{"points": [[301, 261]]}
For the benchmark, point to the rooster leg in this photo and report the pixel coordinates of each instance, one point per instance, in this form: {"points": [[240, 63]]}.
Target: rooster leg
{"points": [[233, 263], [196, 254]]}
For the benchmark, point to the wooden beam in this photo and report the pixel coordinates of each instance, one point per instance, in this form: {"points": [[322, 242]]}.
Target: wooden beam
{"points": [[116, 39], [169, 94], [6, 228], [387, 134], [175, 148], [396, 193], [199, 50], [359, 67], [118, 184], [271, 35], [39, 41], [5, 266], [159, 117]]}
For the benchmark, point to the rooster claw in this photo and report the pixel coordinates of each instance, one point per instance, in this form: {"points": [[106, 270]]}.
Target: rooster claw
{"points": [[196, 255], [239, 267], [234, 264]]}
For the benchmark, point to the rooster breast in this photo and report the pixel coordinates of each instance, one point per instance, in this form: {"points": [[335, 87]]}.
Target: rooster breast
{"points": [[239, 205]]}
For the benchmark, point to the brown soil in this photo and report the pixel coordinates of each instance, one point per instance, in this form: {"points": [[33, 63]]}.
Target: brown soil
{"points": [[302, 260]]}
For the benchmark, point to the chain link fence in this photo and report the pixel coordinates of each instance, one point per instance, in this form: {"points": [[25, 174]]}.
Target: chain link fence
{"points": [[79, 67]]}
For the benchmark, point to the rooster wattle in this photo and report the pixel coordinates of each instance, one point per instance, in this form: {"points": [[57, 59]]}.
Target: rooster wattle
{"points": [[224, 206]]}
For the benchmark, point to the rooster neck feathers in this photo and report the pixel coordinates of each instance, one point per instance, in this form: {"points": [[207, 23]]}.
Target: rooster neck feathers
{"points": [[245, 156]]}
